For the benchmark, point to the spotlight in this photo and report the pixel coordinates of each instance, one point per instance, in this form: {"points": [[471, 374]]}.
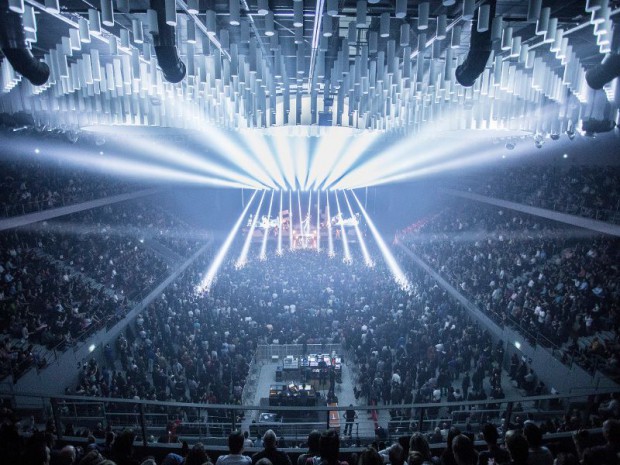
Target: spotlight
{"points": [[37, 151], [539, 140], [595, 126], [565, 155], [554, 136], [510, 145]]}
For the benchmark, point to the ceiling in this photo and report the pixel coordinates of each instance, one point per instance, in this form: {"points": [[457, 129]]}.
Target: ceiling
{"points": [[241, 76]]}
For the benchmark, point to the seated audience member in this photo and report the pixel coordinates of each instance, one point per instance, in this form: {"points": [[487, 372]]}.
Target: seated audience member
{"points": [[270, 451], [122, 449], [419, 444], [370, 457], [517, 447], [329, 449], [313, 448], [609, 453], [447, 457], [463, 450], [495, 452], [538, 454], [235, 447]]}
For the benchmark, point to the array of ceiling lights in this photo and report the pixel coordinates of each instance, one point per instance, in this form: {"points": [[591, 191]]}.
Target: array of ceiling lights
{"points": [[366, 65]]}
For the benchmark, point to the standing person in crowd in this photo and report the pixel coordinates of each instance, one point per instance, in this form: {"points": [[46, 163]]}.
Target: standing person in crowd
{"points": [[350, 416], [270, 451], [235, 449], [495, 452], [314, 439]]}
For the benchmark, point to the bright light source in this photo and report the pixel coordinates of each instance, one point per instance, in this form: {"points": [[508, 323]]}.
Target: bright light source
{"points": [[291, 242], [318, 221], [37, 151], [243, 257], [517, 344], [565, 155], [391, 262], [100, 152], [91, 348], [206, 283]]}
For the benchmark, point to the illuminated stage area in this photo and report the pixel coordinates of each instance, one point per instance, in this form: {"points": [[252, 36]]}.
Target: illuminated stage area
{"points": [[292, 227]]}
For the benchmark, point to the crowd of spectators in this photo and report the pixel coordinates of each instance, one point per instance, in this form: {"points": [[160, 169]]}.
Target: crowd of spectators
{"points": [[28, 186], [412, 345], [590, 191], [547, 279], [63, 278]]}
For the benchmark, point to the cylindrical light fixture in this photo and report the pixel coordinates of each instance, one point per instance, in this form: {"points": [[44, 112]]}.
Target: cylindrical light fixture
{"points": [[373, 41], [332, 7], [298, 14], [497, 27], [404, 35], [442, 25], [84, 30], [543, 22], [507, 38], [138, 33], [484, 16], [151, 19], [593, 5], [235, 13], [269, 24], [468, 9], [423, 12], [52, 6], [170, 8], [193, 7], [191, 31], [352, 34], [448, 2], [401, 9], [16, 6], [124, 38], [361, 13], [327, 25], [384, 24], [30, 23], [533, 10], [211, 23], [551, 31], [107, 13], [94, 21], [263, 7], [456, 37]]}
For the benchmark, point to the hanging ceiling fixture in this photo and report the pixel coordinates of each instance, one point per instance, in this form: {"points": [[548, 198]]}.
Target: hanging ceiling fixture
{"points": [[368, 65]]}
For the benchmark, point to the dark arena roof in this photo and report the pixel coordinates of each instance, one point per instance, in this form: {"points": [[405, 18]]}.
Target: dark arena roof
{"points": [[374, 231]]}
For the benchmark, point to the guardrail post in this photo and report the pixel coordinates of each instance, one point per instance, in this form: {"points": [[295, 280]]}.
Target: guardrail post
{"points": [[421, 419], [56, 417], [234, 419], [143, 426], [508, 416]]}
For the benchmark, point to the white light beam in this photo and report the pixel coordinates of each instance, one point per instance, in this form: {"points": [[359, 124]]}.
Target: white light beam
{"points": [[330, 239], [263, 249], [343, 232], [391, 262], [243, 257], [206, 283], [360, 238]]}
